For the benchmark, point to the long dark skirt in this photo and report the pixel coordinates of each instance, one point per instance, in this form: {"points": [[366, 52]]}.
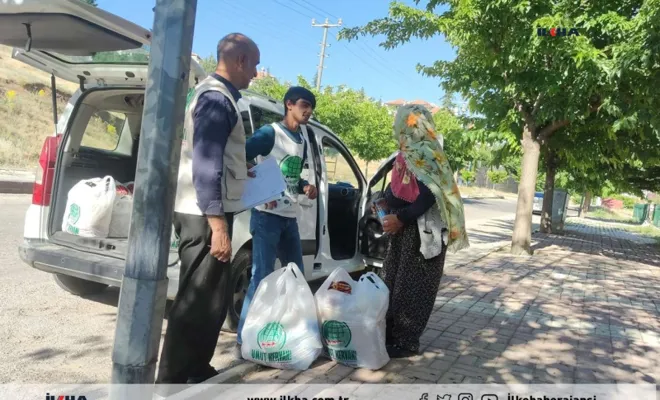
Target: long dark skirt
{"points": [[413, 282]]}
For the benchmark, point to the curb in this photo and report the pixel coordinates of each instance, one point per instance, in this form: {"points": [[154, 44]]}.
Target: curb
{"points": [[484, 197], [16, 187], [231, 375]]}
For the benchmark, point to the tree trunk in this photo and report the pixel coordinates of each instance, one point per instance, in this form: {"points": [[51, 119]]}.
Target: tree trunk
{"points": [[366, 170], [587, 202], [549, 191], [522, 228], [581, 205]]}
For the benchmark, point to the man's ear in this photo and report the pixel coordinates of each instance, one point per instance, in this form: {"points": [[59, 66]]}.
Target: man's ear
{"points": [[241, 60]]}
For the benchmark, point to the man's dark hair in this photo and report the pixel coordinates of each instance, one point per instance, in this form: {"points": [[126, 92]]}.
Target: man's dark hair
{"points": [[296, 93], [230, 43]]}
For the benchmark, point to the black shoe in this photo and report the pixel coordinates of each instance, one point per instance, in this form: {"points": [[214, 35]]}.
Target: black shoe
{"points": [[395, 351], [203, 376], [237, 352]]}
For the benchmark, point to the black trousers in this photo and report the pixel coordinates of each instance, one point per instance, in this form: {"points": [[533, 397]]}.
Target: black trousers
{"points": [[199, 308]]}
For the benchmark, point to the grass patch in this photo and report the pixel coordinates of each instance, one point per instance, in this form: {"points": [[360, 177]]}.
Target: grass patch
{"points": [[605, 214]]}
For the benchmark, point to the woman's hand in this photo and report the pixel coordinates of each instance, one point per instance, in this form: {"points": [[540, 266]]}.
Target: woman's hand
{"points": [[392, 224]]}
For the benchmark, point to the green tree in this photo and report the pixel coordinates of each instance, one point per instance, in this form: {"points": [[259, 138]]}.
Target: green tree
{"points": [[209, 64], [458, 143], [497, 176], [468, 175], [535, 86]]}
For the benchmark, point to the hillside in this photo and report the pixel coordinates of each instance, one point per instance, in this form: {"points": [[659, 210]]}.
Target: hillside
{"points": [[25, 111]]}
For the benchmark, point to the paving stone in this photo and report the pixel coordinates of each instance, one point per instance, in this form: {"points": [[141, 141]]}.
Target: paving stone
{"points": [[451, 377], [368, 376], [426, 374]]}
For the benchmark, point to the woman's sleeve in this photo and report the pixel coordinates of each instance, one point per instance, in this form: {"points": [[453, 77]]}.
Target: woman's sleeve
{"points": [[416, 209]]}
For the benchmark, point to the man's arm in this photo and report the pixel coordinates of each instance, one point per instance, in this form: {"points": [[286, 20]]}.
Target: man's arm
{"points": [[214, 119], [261, 143]]}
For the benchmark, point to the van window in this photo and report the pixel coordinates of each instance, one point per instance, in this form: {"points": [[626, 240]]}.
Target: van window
{"points": [[339, 168], [262, 117], [104, 130]]}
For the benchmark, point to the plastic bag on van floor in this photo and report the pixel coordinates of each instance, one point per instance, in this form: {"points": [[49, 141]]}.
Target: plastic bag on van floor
{"points": [[352, 315], [282, 329], [120, 223], [89, 207]]}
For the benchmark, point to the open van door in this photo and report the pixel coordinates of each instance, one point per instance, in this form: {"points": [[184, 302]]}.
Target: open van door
{"points": [[373, 243], [78, 42]]}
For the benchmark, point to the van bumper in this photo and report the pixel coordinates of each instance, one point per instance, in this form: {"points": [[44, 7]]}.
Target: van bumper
{"points": [[56, 259]]}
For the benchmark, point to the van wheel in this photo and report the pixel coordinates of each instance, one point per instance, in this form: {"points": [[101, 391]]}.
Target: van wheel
{"points": [[77, 286], [241, 273]]}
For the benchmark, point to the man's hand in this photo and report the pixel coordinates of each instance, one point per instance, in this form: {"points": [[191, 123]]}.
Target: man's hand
{"points": [[220, 242], [251, 174], [310, 191], [392, 224], [271, 205]]}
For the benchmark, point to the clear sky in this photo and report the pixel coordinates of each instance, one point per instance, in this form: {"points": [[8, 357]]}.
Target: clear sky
{"points": [[290, 46]]}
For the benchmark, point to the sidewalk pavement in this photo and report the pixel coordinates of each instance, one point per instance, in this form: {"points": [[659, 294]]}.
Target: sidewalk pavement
{"points": [[584, 309], [13, 181]]}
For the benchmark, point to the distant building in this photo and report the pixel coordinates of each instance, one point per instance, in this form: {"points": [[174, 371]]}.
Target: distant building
{"points": [[263, 73]]}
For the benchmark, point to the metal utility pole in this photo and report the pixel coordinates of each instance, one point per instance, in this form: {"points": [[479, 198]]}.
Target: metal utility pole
{"points": [[144, 286], [325, 27]]}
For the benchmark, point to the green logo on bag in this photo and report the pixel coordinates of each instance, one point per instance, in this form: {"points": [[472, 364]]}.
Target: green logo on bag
{"points": [[272, 338], [337, 336], [74, 213], [336, 333]]}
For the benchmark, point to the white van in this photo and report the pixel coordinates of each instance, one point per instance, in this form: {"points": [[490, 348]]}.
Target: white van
{"points": [[108, 57]]}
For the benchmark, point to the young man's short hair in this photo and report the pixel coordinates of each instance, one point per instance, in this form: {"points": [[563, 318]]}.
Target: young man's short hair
{"points": [[296, 93]]}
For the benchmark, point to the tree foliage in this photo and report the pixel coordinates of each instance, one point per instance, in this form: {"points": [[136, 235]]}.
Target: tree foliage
{"points": [[497, 176], [209, 64], [535, 89]]}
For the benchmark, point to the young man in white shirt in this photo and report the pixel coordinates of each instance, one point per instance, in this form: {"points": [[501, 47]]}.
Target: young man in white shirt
{"points": [[274, 226]]}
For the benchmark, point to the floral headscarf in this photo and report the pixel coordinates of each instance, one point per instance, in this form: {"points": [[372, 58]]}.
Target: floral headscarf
{"points": [[424, 157]]}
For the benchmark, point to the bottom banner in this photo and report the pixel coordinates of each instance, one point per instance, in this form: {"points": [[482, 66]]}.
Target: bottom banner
{"points": [[330, 392]]}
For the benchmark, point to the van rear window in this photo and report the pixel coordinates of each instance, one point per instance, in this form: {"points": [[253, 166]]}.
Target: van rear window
{"points": [[104, 130]]}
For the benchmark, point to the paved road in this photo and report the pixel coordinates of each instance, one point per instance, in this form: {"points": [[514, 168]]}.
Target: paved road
{"points": [[47, 335]]}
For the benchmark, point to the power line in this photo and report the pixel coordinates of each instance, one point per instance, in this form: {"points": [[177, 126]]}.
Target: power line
{"points": [[270, 34], [293, 9], [268, 18], [376, 67], [320, 9], [307, 8]]}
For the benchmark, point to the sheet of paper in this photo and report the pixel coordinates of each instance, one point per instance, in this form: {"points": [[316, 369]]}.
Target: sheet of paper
{"points": [[268, 185]]}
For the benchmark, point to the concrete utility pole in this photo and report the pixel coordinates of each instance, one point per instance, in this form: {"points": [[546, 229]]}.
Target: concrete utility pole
{"points": [[324, 44], [144, 286]]}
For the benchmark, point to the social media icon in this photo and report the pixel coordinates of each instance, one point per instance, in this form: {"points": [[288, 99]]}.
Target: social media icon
{"points": [[425, 396], [465, 396], [489, 397], [445, 397]]}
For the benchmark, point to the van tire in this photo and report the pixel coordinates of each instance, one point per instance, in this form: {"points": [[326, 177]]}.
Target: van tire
{"points": [[77, 286], [241, 273]]}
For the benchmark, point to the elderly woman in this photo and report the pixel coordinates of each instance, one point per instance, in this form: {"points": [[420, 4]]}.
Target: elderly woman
{"points": [[425, 220]]}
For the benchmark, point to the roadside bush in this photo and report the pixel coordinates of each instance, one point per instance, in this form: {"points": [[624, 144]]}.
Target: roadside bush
{"points": [[467, 175]]}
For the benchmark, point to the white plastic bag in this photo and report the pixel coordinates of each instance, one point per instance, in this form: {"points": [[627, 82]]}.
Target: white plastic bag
{"points": [[282, 329], [122, 209], [89, 207], [352, 315]]}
